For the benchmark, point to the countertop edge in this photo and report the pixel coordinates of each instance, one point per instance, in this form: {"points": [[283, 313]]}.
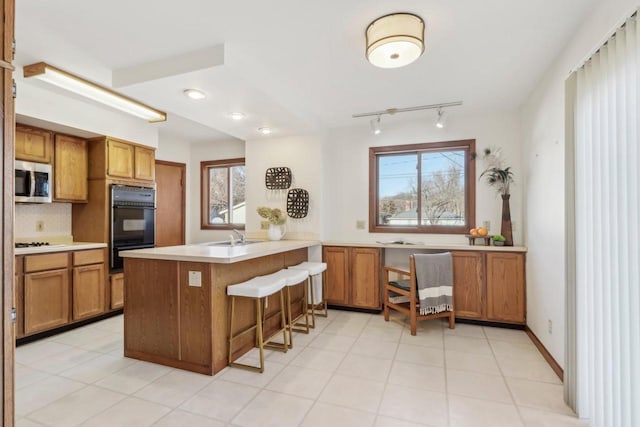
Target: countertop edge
{"points": [[76, 246], [446, 246]]}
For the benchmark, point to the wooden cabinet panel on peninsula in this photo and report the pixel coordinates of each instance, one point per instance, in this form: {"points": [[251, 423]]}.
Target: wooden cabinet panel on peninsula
{"points": [[114, 158], [34, 145], [70, 169], [353, 276]]}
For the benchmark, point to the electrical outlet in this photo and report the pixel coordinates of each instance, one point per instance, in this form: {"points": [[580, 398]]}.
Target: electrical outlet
{"points": [[486, 224], [264, 225], [195, 279], [39, 225], [550, 326], [360, 224]]}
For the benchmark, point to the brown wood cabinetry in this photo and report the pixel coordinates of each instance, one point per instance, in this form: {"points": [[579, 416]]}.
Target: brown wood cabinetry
{"points": [[89, 280], [70, 169], [145, 163], [489, 286], [117, 159], [57, 288], [505, 287], [117, 290], [468, 284], [46, 292], [33, 144], [353, 276]]}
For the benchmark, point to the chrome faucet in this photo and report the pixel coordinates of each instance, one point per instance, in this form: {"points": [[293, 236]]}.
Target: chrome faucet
{"points": [[240, 236]]}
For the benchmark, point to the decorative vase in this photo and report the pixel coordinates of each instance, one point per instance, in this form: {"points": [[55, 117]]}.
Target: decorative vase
{"points": [[505, 228], [276, 232]]}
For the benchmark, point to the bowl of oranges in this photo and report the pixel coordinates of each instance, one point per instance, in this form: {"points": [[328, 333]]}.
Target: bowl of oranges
{"points": [[479, 233]]}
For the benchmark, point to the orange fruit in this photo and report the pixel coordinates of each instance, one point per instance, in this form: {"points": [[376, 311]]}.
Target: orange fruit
{"points": [[474, 232], [482, 231]]}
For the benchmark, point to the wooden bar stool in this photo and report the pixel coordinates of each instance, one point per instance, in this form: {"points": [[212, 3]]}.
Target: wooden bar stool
{"points": [[314, 269], [258, 289], [294, 278]]}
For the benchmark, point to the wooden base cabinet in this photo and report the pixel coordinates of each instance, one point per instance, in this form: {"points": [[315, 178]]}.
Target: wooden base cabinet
{"points": [[489, 286], [89, 280], [46, 300], [117, 291], [353, 276]]}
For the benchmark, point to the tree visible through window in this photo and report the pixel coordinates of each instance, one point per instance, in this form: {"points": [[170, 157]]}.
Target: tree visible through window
{"points": [[223, 194], [426, 188]]}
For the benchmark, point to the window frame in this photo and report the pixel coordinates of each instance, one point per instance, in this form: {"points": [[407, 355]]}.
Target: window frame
{"points": [[467, 145], [205, 191]]}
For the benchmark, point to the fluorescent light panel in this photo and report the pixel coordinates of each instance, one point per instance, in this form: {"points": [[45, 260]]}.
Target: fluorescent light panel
{"points": [[80, 86]]}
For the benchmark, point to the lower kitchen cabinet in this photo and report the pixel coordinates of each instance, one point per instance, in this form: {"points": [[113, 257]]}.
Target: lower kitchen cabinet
{"points": [[117, 290], [59, 288], [46, 300], [353, 276], [489, 286]]}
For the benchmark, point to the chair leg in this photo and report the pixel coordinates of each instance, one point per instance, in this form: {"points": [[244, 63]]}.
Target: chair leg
{"points": [[325, 308], [283, 320], [231, 313], [413, 317], [259, 332], [290, 318], [313, 302], [386, 304], [452, 320]]}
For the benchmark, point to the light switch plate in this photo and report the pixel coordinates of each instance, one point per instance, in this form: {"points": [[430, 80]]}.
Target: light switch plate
{"points": [[195, 279]]}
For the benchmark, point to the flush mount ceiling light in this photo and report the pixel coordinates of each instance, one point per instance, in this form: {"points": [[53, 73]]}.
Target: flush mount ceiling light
{"points": [[395, 40], [375, 126], [237, 115], [194, 94], [80, 86], [264, 130], [442, 118]]}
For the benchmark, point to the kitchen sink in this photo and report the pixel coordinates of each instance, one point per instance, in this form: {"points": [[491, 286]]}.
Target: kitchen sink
{"points": [[235, 243]]}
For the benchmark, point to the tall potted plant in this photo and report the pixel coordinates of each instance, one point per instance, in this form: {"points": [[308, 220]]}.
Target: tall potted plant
{"points": [[500, 177]]}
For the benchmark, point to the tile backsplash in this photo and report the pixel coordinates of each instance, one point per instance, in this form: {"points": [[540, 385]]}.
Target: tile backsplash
{"points": [[56, 219]]}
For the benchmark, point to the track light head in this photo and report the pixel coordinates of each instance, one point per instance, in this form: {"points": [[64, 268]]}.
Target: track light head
{"points": [[441, 119], [375, 126]]}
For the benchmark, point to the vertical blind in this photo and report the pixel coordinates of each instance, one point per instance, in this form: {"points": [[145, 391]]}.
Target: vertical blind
{"points": [[607, 220]]}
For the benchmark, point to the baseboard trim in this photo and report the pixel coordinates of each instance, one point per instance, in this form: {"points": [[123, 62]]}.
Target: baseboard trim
{"points": [[545, 353]]}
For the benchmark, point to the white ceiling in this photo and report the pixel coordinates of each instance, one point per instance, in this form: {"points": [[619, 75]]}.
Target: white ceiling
{"points": [[297, 66]]}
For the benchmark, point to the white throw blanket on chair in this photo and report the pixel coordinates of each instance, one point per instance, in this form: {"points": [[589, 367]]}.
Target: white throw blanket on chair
{"points": [[434, 274]]}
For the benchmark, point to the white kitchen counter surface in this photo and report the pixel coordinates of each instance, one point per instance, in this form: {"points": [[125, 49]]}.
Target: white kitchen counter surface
{"points": [[75, 246], [435, 246], [219, 254]]}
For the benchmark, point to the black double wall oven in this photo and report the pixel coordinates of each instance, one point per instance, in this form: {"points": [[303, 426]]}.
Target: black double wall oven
{"points": [[133, 214]]}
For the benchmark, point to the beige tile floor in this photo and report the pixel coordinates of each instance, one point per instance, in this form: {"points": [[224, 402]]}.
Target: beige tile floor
{"points": [[353, 370]]}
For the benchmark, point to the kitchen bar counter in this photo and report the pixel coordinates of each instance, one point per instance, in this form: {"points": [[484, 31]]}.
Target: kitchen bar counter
{"points": [[220, 254], [75, 246], [175, 305]]}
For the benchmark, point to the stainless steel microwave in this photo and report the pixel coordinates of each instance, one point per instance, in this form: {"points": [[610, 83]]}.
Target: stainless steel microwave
{"points": [[32, 182]]}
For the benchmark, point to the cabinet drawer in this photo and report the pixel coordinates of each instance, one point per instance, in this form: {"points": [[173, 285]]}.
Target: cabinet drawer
{"points": [[93, 256], [46, 262]]}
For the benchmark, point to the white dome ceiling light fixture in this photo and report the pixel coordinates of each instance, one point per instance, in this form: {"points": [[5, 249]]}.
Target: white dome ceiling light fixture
{"points": [[395, 40], [265, 130], [195, 94]]}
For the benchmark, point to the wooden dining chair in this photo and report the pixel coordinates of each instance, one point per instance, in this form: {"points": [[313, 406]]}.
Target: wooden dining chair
{"points": [[402, 295]]}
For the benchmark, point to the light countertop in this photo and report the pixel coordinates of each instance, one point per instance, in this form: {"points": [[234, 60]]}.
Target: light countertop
{"points": [[75, 246], [219, 254], [435, 246]]}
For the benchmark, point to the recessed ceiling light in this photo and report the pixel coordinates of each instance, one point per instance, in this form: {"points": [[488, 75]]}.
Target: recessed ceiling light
{"points": [[194, 94], [237, 115], [264, 130]]}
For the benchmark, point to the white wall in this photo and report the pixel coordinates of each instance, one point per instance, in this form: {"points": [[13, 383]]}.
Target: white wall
{"points": [[198, 153], [303, 155], [346, 170], [543, 157]]}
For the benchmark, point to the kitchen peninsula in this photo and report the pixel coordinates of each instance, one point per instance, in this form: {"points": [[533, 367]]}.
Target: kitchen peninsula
{"points": [[176, 302]]}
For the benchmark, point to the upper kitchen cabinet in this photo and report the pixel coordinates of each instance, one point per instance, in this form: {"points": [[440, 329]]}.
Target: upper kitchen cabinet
{"points": [[70, 169], [117, 159], [33, 144]]}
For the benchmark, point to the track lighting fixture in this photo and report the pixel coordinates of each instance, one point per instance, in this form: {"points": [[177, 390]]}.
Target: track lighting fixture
{"points": [[441, 119], [375, 126], [375, 123]]}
